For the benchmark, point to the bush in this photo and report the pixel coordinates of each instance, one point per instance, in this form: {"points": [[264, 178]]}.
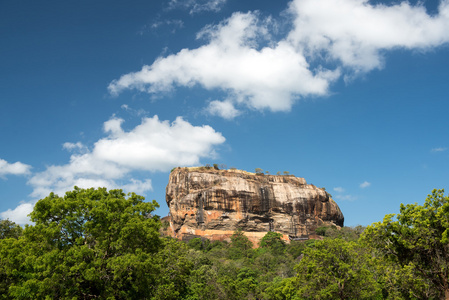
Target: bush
{"points": [[321, 230]]}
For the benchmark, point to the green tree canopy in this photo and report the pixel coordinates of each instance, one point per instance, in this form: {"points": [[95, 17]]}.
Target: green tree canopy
{"points": [[273, 242], [173, 267], [91, 243], [240, 245], [417, 242], [335, 269], [9, 229]]}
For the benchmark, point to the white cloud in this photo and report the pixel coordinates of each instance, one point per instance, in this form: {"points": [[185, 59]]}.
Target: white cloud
{"points": [[439, 149], [365, 184], [43, 187], [138, 186], [197, 6], [16, 168], [78, 146], [224, 109], [272, 77], [329, 39], [59, 179], [20, 214], [153, 145], [339, 189], [355, 32], [113, 126]]}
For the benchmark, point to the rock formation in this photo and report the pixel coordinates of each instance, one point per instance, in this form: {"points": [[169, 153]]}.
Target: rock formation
{"points": [[214, 203]]}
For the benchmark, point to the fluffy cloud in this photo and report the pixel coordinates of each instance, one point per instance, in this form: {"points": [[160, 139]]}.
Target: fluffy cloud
{"points": [[270, 77], [19, 214], [197, 6], [74, 147], [153, 145], [138, 186], [156, 145], [328, 39], [16, 168], [224, 109], [355, 32]]}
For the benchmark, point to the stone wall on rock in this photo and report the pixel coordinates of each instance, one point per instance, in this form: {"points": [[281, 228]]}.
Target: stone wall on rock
{"points": [[214, 203]]}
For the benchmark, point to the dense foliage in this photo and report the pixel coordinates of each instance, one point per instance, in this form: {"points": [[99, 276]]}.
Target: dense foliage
{"points": [[94, 243], [416, 247]]}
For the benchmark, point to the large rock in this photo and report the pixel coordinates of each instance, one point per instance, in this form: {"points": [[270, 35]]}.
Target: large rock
{"points": [[214, 203]]}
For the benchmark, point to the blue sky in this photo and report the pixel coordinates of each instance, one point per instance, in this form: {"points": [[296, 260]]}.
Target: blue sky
{"points": [[352, 95]]}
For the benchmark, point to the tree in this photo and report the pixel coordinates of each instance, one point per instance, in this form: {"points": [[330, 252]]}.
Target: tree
{"points": [[203, 283], [273, 242], [345, 233], [259, 171], [91, 243], [173, 267], [10, 255], [240, 245], [246, 283], [321, 230], [200, 244], [281, 289], [296, 248], [417, 242], [335, 269], [9, 229]]}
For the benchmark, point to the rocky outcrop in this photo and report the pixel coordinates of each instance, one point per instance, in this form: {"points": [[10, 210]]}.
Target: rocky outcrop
{"points": [[214, 203]]}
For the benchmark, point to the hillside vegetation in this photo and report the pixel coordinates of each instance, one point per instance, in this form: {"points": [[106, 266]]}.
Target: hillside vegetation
{"points": [[100, 244]]}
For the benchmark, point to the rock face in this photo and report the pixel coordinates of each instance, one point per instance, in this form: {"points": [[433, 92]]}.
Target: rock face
{"points": [[214, 203]]}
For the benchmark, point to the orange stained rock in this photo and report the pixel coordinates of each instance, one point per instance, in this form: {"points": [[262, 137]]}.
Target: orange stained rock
{"points": [[214, 203]]}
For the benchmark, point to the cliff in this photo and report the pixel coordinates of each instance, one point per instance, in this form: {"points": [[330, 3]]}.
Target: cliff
{"points": [[214, 203]]}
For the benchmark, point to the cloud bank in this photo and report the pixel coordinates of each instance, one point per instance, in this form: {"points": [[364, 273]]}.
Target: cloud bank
{"points": [[152, 146], [270, 77], [328, 39], [355, 33]]}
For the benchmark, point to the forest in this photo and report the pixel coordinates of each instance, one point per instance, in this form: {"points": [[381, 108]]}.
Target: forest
{"points": [[100, 244]]}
